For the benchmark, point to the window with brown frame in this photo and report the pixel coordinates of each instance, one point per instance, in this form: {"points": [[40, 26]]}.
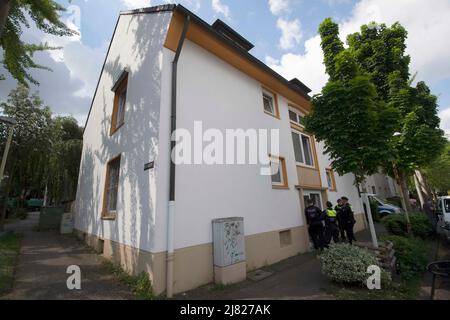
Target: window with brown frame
{"points": [[279, 174], [270, 103], [120, 99], [331, 182], [111, 188]]}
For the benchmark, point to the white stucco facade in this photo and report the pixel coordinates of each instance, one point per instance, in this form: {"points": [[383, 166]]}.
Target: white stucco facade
{"points": [[220, 96], [137, 46]]}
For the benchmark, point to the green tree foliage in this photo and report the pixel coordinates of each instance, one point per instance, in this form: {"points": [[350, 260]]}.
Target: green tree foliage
{"points": [[18, 55], [45, 151], [349, 116], [438, 171], [377, 55]]}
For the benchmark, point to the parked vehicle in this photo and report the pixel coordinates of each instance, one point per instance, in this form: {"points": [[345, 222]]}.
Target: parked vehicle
{"points": [[443, 209], [35, 204], [383, 207]]}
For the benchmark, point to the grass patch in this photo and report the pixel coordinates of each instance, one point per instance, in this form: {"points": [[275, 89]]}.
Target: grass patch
{"points": [[222, 287], [9, 250], [404, 290], [140, 286]]}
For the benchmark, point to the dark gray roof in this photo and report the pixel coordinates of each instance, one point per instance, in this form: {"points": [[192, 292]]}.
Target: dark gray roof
{"points": [[231, 34]]}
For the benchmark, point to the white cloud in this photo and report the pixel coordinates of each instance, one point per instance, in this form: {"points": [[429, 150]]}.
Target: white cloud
{"points": [[428, 42], [193, 5], [445, 121], [221, 8], [68, 89], [307, 67], [135, 4], [290, 33], [278, 6]]}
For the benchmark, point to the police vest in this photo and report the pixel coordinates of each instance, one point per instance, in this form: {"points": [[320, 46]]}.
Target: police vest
{"points": [[331, 213]]}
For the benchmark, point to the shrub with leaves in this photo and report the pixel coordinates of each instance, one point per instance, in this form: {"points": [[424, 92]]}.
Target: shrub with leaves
{"points": [[343, 263], [411, 254], [421, 227]]}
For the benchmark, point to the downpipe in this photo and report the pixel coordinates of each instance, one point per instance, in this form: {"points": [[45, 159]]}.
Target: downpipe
{"points": [[171, 208]]}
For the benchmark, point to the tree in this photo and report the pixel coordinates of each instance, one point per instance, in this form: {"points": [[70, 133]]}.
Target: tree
{"points": [[45, 151], [379, 53], [348, 115], [14, 15], [438, 172]]}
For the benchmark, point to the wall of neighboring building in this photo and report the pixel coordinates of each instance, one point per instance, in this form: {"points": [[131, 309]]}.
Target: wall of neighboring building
{"points": [[137, 45], [382, 185]]}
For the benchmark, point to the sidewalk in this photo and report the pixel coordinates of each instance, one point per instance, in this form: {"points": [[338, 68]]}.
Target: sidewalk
{"points": [[296, 278], [45, 256]]}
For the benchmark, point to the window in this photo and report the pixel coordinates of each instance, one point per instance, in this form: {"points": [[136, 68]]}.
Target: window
{"points": [[270, 103], [330, 180], [278, 170], [285, 238], [111, 188], [296, 116], [374, 190], [314, 196], [302, 148], [120, 99]]}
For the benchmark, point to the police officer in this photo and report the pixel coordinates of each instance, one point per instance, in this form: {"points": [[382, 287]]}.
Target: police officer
{"points": [[331, 224], [348, 219], [338, 208], [314, 219]]}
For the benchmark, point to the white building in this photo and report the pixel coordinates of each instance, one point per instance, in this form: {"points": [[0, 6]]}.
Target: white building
{"points": [[122, 205]]}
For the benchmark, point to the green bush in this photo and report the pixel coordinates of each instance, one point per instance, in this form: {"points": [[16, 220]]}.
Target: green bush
{"points": [[143, 286], [421, 227], [344, 263], [411, 254]]}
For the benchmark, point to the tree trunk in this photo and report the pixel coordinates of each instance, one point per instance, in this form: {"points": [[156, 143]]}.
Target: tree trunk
{"points": [[5, 203], [5, 5], [426, 190], [365, 204], [419, 191], [401, 180]]}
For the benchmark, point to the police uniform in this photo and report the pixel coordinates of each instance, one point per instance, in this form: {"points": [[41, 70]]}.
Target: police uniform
{"points": [[340, 223], [314, 219], [348, 221], [331, 226]]}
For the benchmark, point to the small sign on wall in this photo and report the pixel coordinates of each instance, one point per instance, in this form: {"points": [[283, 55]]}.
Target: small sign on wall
{"points": [[149, 165]]}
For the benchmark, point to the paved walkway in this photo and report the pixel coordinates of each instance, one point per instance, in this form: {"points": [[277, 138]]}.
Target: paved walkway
{"points": [[45, 256], [296, 278]]}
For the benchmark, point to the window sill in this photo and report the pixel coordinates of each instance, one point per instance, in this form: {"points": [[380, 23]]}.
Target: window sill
{"points": [[272, 115], [280, 187], [116, 129], [298, 164], [109, 216]]}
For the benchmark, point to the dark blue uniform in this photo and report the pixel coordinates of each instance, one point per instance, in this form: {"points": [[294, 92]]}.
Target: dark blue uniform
{"points": [[314, 219]]}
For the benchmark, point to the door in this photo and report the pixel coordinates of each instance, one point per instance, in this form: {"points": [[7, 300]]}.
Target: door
{"points": [[315, 196]]}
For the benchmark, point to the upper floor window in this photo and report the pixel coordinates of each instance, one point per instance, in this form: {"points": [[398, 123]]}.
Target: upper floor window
{"points": [[278, 170], [302, 148], [120, 99], [295, 116], [270, 103]]}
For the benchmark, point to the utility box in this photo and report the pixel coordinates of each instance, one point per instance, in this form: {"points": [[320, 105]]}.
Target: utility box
{"points": [[50, 218], [229, 250]]}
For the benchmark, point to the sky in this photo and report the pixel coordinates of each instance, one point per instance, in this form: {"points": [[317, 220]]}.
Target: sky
{"points": [[284, 33]]}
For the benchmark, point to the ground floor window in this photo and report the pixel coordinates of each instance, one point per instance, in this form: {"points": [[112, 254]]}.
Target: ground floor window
{"points": [[278, 170], [111, 188]]}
